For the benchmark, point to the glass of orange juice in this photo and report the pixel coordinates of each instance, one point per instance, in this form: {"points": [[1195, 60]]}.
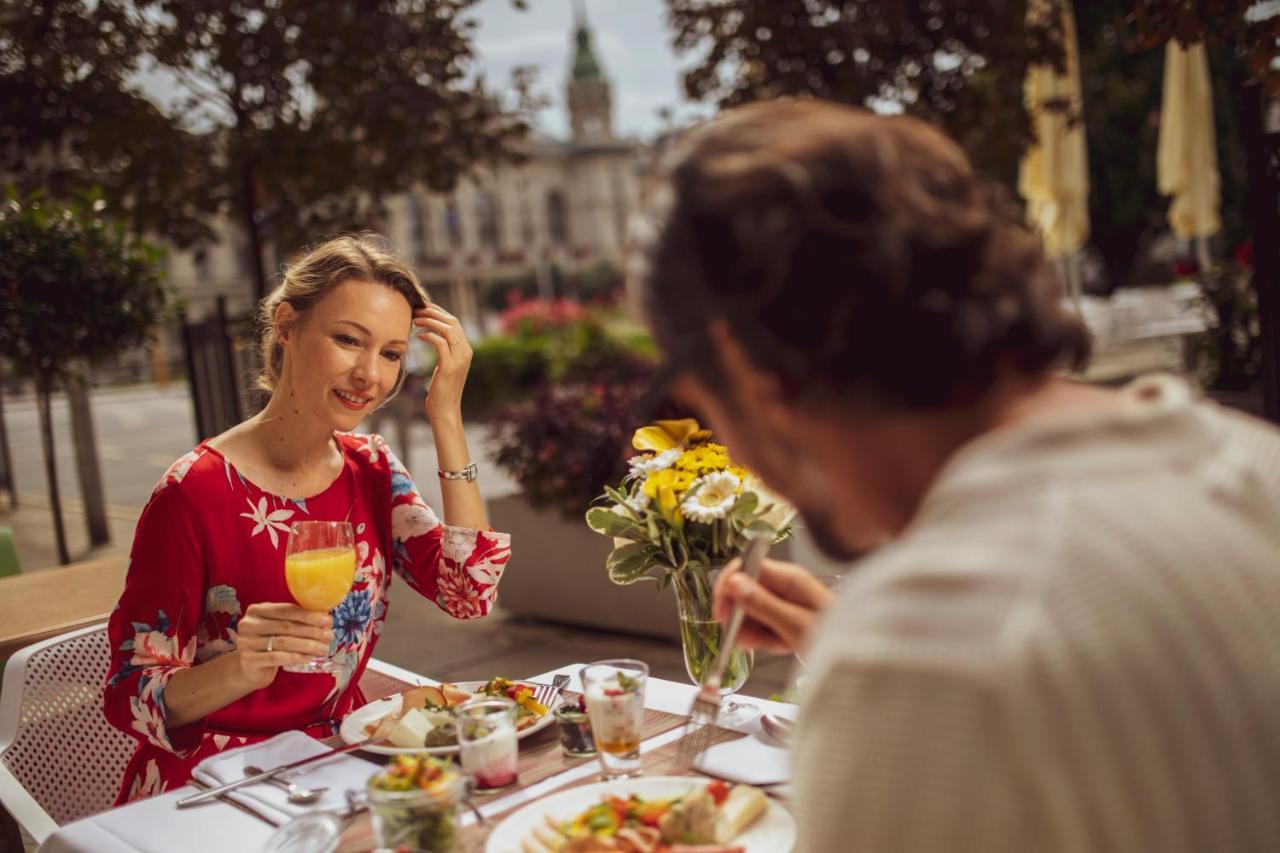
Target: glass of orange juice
{"points": [[319, 567]]}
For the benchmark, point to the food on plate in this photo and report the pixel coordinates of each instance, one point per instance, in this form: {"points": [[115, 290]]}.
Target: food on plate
{"points": [[425, 718], [704, 820], [413, 802]]}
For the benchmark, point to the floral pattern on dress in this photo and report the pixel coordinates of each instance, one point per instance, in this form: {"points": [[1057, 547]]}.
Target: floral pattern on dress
{"points": [[196, 567], [268, 521]]}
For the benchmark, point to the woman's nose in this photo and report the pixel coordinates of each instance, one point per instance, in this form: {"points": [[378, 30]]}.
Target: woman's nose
{"points": [[364, 372]]}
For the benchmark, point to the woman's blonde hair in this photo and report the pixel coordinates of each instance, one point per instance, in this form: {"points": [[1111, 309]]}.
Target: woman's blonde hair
{"points": [[360, 257]]}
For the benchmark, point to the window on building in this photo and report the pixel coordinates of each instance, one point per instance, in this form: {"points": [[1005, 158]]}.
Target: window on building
{"points": [[489, 218], [557, 218], [419, 229], [453, 222], [200, 259]]}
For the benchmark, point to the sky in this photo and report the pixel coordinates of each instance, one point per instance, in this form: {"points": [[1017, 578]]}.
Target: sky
{"points": [[632, 42]]}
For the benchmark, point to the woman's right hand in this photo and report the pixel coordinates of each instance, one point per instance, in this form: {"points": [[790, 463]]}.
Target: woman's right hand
{"points": [[296, 636], [781, 607]]}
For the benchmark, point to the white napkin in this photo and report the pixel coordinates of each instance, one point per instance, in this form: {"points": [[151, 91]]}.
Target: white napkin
{"points": [[752, 760], [271, 801]]}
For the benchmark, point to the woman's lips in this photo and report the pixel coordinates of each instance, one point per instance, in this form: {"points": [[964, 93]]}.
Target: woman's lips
{"points": [[355, 407]]}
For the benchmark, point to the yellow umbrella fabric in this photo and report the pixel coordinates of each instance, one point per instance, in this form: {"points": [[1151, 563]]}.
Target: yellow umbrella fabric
{"points": [[1187, 155], [1054, 174]]}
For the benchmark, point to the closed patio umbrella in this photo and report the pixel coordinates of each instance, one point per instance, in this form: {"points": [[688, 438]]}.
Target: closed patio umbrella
{"points": [[1187, 155], [1054, 174]]}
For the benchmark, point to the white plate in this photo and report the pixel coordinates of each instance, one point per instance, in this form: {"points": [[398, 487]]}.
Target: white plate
{"points": [[774, 832], [352, 730]]}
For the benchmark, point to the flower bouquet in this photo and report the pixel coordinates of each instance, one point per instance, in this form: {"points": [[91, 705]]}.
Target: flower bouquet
{"points": [[683, 512]]}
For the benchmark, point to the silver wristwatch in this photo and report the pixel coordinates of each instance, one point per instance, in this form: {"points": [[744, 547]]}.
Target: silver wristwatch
{"points": [[468, 474]]}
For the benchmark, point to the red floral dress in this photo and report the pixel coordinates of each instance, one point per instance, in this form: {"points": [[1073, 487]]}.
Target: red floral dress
{"points": [[210, 543]]}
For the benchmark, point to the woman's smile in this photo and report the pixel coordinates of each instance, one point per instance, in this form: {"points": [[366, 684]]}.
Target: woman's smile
{"points": [[352, 400]]}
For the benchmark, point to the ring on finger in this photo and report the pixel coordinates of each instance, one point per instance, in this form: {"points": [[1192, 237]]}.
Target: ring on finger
{"points": [[271, 641]]}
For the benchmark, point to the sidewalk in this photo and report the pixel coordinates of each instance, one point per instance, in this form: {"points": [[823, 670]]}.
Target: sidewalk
{"points": [[32, 524]]}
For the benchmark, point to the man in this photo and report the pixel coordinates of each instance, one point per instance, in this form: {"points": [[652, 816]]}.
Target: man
{"points": [[1067, 636]]}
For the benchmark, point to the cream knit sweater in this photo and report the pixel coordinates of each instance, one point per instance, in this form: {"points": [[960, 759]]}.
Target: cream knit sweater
{"points": [[1075, 647]]}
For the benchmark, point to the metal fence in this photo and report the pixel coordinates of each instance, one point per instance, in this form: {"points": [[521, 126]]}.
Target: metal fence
{"points": [[220, 361]]}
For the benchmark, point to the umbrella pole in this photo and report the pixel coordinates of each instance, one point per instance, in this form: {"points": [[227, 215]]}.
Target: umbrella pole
{"points": [[1203, 256]]}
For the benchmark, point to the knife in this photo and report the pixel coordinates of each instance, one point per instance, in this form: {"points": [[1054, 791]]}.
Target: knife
{"points": [[379, 734]]}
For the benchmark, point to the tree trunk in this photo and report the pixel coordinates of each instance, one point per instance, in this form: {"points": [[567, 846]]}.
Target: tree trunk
{"points": [[86, 446], [44, 391], [6, 460], [249, 206]]}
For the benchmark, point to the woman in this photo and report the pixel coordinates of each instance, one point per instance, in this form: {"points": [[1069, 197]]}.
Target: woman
{"points": [[206, 620]]}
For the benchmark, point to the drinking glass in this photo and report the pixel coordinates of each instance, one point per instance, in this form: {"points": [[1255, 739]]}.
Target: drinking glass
{"points": [[319, 567], [614, 690], [487, 742]]}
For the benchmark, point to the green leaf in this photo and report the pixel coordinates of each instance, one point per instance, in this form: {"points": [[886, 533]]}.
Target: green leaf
{"points": [[608, 523], [746, 505], [631, 563]]}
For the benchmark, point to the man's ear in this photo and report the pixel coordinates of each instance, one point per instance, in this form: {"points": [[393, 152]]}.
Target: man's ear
{"points": [[754, 388], [285, 320]]}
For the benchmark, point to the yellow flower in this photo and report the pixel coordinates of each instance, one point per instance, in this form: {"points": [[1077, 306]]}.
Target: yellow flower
{"points": [[666, 488], [664, 435], [704, 459]]}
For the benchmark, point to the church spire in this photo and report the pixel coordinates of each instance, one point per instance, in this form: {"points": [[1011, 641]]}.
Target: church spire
{"points": [[590, 104]]}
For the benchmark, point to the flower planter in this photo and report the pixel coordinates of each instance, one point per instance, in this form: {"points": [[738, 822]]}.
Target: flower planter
{"points": [[557, 574]]}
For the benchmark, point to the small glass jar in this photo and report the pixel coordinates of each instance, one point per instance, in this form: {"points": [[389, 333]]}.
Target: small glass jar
{"points": [[575, 731], [487, 743], [417, 819]]}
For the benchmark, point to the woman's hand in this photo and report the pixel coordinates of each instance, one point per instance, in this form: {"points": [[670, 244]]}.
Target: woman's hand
{"points": [[781, 607], [295, 636], [443, 331]]}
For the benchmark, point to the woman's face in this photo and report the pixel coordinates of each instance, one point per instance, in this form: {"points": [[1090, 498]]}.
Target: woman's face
{"points": [[344, 355]]}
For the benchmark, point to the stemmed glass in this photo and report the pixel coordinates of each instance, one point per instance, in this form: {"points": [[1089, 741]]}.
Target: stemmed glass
{"points": [[319, 567]]}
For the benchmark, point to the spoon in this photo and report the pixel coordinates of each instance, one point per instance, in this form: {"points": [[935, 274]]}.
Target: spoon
{"points": [[778, 726], [297, 796]]}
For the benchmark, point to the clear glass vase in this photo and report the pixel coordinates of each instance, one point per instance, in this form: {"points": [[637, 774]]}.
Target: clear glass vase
{"points": [[700, 635]]}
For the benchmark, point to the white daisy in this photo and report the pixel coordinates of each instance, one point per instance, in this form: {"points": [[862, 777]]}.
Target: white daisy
{"points": [[645, 464], [711, 497]]}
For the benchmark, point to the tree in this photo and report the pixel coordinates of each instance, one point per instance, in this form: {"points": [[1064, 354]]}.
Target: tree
{"points": [[319, 109], [69, 119], [959, 63], [294, 117], [73, 285]]}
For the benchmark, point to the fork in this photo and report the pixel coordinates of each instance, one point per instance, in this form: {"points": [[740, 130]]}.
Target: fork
{"points": [[706, 705], [546, 693]]}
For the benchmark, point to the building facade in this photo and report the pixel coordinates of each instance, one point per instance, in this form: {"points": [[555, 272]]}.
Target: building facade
{"points": [[565, 205]]}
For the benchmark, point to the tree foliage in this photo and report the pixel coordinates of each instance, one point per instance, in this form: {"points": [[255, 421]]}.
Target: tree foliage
{"points": [[959, 63], [70, 119], [73, 285], [296, 117]]}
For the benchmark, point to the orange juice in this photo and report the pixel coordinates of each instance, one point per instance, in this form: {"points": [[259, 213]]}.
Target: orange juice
{"points": [[320, 579]]}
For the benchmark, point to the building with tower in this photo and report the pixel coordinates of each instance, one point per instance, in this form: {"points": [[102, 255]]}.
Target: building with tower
{"points": [[564, 208]]}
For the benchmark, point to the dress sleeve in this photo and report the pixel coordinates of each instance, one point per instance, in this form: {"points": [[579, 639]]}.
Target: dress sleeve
{"points": [[456, 567], [153, 628]]}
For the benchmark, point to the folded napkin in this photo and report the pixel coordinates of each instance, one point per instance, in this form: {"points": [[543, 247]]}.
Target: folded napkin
{"points": [[340, 775], [752, 760]]}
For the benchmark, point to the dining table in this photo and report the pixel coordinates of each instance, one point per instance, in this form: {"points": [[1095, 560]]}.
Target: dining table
{"points": [[156, 824]]}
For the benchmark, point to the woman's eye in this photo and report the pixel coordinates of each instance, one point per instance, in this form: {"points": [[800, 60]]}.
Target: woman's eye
{"points": [[393, 356], [345, 340]]}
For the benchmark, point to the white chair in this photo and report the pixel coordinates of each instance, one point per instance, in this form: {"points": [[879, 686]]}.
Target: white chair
{"points": [[59, 758]]}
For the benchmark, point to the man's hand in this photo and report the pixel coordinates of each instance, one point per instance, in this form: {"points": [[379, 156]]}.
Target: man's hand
{"points": [[781, 607]]}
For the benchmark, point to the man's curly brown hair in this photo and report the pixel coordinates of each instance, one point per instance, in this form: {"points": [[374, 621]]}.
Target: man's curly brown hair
{"points": [[858, 257]]}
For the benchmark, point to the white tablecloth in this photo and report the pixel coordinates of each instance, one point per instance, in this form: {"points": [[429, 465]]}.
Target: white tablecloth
{"points": [[157, 826]]}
